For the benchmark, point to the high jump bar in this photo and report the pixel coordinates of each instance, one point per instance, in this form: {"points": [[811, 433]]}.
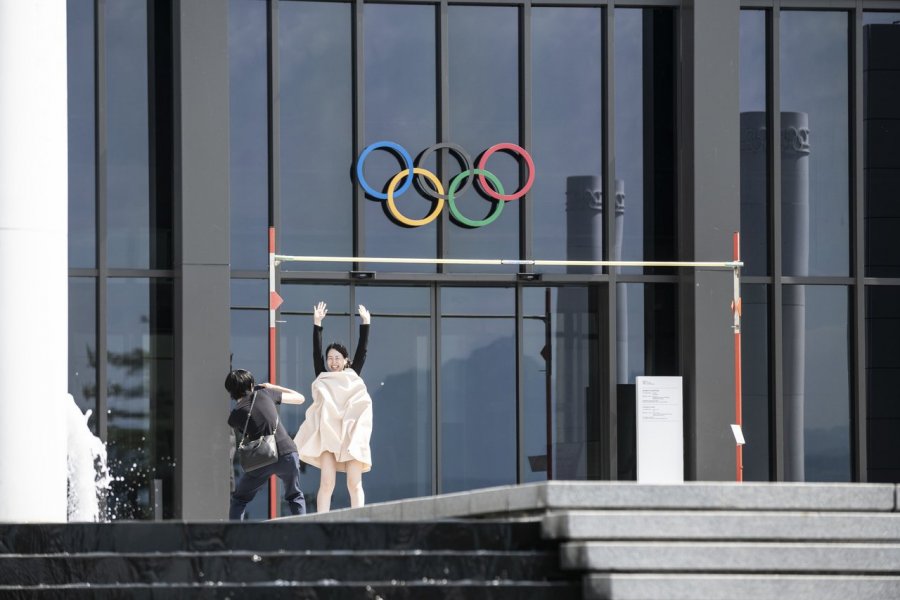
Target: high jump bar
{"points": [[733, 264], [736, 307]]}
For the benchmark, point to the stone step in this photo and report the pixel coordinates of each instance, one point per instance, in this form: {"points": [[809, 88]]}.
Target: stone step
{"points": [[541, 497], [722, 525], [738, 557], [175, 536], [274, 590], [628, 586], [214, 568]]}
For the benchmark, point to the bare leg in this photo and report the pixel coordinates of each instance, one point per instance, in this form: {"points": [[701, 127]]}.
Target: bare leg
{"points": [[326, 482], [354, 483]]}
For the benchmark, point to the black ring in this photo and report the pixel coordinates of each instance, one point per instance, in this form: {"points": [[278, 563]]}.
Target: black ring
{"points": [[425, 186]]}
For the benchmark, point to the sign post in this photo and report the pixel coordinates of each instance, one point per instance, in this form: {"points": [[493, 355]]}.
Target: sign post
{"points": [[660, 430]]}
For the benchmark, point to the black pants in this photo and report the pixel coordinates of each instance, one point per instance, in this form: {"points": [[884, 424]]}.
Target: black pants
{"points": [[287, 469]]}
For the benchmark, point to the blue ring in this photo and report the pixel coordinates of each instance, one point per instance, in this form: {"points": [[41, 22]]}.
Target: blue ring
{"points": [[362, 158]]}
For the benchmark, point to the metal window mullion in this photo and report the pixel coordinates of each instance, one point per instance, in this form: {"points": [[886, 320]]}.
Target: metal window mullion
{"points": [[525, 221], [608, 170], [442, 88], [859, 416], [152, 144], [100, 153], [526, 210], [273, 118], [443, 116], [351, 335], [773, 143], [436, 389], [148, 273], [273, 126], [358, 105], [520, 386]]}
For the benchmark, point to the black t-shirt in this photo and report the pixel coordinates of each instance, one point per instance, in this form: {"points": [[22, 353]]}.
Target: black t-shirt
{"points": [[262, 420]]}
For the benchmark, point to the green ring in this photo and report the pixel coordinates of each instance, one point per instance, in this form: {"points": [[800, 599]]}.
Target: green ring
{"points": [[451, 191]]}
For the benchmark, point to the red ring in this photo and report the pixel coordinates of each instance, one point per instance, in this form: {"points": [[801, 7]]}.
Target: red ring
{"points": [[514, 148]]}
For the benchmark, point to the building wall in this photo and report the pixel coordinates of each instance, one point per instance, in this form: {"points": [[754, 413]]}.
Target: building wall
{"points": [[669, 109]]}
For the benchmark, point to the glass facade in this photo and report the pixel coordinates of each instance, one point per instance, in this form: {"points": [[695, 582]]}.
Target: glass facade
{"points": [[121, 286], [567, 132], [487, 375], [400, 79], [316, 95], [881, 177], [810, 301]]}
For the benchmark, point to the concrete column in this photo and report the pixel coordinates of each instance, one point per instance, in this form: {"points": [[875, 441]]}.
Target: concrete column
{"points": [[33, 260], [202, 248], [709, 177]]}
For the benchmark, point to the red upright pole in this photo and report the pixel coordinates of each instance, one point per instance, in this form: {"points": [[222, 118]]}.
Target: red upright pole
{"points": [[736, 309], [273, 358]]}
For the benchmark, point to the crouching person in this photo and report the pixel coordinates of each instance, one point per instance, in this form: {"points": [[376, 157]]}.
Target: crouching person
{"points": [[255, 414]]}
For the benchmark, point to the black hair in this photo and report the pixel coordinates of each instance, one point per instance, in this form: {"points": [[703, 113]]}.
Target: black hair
{"points": [[239, 382], [340, 348]]}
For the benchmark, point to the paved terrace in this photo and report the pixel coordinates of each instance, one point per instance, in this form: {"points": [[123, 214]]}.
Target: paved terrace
{"points": [[538, 499]]}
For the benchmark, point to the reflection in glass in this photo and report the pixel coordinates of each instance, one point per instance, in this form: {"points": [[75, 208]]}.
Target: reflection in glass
{"points": [[395, 300], [477, 417], [484, 110], [82, 188], [140, 390], [754, 192], [815, 178], [303, 297], [651, 344], [249, 149], [561, 394], [249, 293], [567, 90], [645, 133], [400, 99], [83, 345], [492, 301], [539, 388], [883, 18], [316, 129], [250, 342], [130, 230], [881, 99], [398, 376], [882, 371], [816, 383], [755, 381], [647, 344]]}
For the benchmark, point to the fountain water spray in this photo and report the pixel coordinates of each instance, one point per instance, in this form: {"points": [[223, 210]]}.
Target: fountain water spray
{"points": [[88, 473]]}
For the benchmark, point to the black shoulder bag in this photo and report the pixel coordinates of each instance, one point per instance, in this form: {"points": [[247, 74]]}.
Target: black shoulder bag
{"points": [[260, 452]]}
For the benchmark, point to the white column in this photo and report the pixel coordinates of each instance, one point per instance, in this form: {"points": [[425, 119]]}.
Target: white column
{"points": [[33, 260]]}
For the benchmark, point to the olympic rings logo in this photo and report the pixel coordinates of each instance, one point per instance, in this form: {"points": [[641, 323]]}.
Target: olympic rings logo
{"points": [[435, 190]]}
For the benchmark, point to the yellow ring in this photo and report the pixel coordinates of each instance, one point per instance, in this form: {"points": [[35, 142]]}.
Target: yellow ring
{"points": [[392, 208]]}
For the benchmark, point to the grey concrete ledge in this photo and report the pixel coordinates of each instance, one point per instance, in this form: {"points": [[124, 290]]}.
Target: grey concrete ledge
{"points": [[539, 498], [740, 587], [738, 557], [722, 525]]}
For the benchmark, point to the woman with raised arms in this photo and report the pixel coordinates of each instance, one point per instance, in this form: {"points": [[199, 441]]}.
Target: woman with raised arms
{"points": [[335, 435]]}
